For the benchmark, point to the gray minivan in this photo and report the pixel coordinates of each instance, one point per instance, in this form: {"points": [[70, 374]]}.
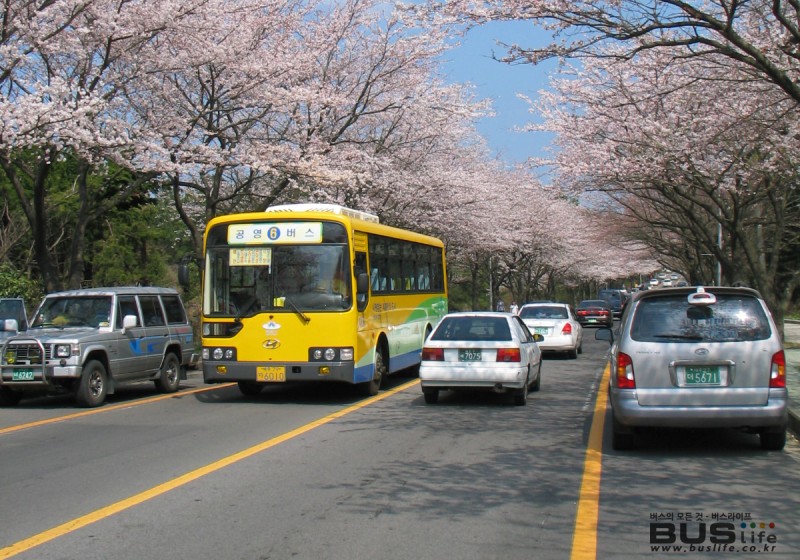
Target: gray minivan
{"points": [[87, 342], [705, 357]]}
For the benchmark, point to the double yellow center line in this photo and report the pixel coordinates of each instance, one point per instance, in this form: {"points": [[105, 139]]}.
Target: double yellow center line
{"points": [[584, 541]]}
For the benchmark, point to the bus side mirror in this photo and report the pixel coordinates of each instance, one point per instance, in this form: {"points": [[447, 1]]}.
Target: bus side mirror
{"points": [[183, 275], [362, 283]]}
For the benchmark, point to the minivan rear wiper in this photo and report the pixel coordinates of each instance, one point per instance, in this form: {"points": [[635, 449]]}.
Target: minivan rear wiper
{"points": [[679, 336]]}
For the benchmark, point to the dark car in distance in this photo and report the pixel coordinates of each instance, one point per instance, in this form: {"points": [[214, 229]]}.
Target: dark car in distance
{"points": [[615, 298], [594, 312]]}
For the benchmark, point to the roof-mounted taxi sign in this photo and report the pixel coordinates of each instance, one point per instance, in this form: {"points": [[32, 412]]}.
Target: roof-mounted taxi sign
{"points": [[701, 297]]}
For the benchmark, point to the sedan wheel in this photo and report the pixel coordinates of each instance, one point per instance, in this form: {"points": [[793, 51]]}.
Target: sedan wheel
{"points": [[521, 395], [431, 395]]}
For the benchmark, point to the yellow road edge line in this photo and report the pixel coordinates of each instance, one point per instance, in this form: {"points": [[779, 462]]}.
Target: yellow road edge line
{"points": [[109, 510], [584, 535], [109, 408]]}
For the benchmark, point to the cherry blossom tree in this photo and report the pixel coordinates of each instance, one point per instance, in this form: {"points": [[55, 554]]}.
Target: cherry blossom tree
{"points": [[65, 65], [692, 175]]}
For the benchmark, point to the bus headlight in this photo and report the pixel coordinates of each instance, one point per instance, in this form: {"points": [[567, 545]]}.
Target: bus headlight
{"points": [[219, 353], [331, 354]]}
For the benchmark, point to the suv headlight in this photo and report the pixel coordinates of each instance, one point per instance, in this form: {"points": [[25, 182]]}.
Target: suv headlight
{"points": [[65, 350]]}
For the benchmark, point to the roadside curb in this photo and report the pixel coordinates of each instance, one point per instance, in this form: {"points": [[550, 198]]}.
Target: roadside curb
{"points": [[792, 364]]}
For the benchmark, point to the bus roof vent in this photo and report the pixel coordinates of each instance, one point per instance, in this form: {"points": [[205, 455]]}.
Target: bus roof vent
{"points": [[332, 208]]}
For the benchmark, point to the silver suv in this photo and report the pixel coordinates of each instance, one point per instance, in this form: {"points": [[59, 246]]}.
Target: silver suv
{"points": [[86, 342], [698, 358]]}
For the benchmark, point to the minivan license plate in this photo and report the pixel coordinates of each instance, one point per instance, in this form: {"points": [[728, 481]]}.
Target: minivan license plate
{"points": [[702, 375], [469, 355]]}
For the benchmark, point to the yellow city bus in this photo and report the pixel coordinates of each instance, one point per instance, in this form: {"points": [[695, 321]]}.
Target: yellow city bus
{"points": [[317, 292]]}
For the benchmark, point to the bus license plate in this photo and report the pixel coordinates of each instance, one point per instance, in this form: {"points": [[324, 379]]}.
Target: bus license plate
{"points": [[276, 373], [469, 355], [702, 375], [22, 375]]}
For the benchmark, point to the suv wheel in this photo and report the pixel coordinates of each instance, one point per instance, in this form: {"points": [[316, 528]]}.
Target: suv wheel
{"points": [[170, 377], [93, 385], [9, 397]]}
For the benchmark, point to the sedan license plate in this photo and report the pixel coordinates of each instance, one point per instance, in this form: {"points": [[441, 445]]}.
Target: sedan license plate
{"points": [[702, 375], [592, 320], [274, 373], [469, 355], [541, 330], [22, 375]]}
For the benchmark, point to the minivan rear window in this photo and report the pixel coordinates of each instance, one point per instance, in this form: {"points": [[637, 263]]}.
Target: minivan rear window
{"points": [[733, 318]]}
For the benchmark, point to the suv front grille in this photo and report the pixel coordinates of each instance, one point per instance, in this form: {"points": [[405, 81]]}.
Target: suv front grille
{"points": [[25, 354]]}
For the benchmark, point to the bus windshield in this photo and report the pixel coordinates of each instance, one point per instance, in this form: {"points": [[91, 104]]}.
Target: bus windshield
{"points": [[241, 282]]}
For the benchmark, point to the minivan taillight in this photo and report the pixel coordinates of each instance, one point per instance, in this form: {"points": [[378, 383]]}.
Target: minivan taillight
{"points": [[433, 354], [777, 374], [567, 329], [508, 355], [625, 378]]}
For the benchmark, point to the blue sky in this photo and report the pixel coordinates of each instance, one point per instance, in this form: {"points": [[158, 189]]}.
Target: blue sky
{"points": [[472, 62]]}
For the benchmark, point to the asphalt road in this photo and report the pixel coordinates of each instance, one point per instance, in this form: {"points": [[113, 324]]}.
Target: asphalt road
{"points": [[313, 472]]}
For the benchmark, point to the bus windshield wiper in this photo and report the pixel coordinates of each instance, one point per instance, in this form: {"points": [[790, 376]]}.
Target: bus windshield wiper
{"points": [[303, 316]]}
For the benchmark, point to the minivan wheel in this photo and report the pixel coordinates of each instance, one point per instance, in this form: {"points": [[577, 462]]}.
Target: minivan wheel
{"points": [[773, 441], [621, 437], [92, 386], [170, 376]]}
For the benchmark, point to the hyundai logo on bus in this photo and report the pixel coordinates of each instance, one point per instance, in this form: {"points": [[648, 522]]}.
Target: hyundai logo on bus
{"points": [[271, 343]]}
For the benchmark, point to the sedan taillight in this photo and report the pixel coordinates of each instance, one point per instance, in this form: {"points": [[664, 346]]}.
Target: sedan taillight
{"points": [[567, 329], [777, 374], [433, 354], [508, 355], [625, 379]]}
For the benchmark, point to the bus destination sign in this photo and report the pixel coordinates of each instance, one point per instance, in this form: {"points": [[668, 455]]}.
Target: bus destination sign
{"points": [[275, 233]]}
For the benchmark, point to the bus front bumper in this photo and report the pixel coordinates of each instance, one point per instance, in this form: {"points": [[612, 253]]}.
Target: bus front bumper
{"points": [[227, 372]]}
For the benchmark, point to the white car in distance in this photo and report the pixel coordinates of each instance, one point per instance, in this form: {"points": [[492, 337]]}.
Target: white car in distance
{"points": [[557, 323]]}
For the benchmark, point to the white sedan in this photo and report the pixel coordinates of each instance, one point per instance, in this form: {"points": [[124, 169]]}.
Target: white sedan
{"points": [[557, 323], [479, 349]]}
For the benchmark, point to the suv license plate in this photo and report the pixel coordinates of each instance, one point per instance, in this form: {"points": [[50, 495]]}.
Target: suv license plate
{"points": [[469, 355], [22, 375], [702, 375], [274, 373]]}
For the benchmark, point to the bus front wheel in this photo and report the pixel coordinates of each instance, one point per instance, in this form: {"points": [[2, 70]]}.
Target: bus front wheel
{"points": [[379, 374], [250, 388]]}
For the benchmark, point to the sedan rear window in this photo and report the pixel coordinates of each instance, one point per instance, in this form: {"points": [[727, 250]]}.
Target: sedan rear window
{"points": [[544, 312], [472, 328], [673, 319]]}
